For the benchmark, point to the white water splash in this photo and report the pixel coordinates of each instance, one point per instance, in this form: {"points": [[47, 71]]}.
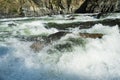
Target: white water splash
{"points": [[97, 60]]}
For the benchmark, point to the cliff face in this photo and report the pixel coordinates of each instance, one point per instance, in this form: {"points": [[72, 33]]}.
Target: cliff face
{"points": [[44, 7], [95, 6]]}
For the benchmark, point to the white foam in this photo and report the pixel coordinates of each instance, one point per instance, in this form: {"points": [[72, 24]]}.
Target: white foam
{"points": [[97, 60], [113, 16]]}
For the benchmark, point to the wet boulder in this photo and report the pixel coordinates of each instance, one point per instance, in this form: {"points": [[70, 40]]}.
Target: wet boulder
{"points": [[12, 24], [84, 25], [91, 35], [37, 46], [56, 36]]}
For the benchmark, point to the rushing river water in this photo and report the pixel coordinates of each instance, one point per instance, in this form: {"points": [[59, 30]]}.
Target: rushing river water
{"points": [[87, 59]]}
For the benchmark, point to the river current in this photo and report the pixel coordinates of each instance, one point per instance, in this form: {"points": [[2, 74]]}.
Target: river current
{"points": [[91, 59]]}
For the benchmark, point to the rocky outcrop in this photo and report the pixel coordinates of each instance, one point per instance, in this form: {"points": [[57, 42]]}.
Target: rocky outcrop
{"points": [[97, 6], [84, 25], [56, 36], [37, 46], [118, 6], [10, 8], [91, 35], [38, 7]]}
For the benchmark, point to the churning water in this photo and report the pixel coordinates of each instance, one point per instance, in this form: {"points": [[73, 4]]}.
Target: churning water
{"points": [[85, 59]]}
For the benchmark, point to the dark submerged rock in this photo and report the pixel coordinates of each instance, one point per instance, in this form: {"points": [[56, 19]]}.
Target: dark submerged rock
{"points": [[56, 36], [84, 25], [102, 15], [37, 46], [12, 24]]}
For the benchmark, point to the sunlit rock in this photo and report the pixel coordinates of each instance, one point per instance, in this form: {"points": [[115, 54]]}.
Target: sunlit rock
{"points": [[23, 8], [91, 35]]}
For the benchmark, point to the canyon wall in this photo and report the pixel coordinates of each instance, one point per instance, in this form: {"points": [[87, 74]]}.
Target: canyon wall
{"points": [[97, 6], [13, 8]]}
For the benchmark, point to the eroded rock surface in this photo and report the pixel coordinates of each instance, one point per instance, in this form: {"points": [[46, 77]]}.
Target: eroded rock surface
{"points": [[37, 46], [97, 6], [49, 7], [37, 7], [91, 35]]}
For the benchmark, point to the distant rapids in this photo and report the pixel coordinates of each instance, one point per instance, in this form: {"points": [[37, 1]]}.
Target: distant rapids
{"points": [[69, 58]]}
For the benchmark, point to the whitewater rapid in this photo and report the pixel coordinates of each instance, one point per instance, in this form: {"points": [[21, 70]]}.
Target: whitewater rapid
{"points": [[95, 59]]}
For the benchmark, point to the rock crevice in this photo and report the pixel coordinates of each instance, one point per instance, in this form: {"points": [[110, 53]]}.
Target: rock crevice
{"points": [[49, 7], [97, 6]]}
